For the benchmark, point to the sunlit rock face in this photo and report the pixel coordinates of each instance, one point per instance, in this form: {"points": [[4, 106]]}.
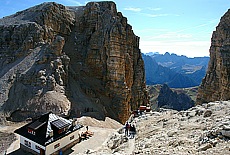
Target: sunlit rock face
{"points": [[70, 60], [216, 84]]}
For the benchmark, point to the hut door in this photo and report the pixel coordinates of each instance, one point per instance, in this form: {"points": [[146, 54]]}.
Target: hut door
{"points": [[42, 152]]}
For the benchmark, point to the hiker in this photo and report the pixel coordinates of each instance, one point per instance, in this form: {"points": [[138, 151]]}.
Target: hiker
{"points": [[83, 136], [126, 128], [131, 131], [134, 129], [87, 128]]}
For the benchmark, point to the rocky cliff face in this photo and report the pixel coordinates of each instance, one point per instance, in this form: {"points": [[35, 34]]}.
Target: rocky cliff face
{"points": [[170, 99], [70, 60], [216, 84]]}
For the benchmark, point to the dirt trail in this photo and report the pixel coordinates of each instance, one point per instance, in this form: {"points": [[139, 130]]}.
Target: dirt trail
{"points": [[94, 142], [131, 146], [8, 140]]}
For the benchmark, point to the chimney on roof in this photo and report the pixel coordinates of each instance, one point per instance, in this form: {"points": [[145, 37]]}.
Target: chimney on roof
{"points": [[51, 133]]}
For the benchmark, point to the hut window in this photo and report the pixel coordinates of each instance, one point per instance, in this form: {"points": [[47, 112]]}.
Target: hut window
{"points": [[72, 137], [57, 145], [37, 147], [27, 143]]}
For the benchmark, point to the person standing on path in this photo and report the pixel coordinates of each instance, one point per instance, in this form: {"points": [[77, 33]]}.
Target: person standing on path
{"points": [[126, 129]]}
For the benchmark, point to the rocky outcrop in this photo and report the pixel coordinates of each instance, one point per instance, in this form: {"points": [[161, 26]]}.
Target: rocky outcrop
{"points": [[33, 68], [216, 84], [170, 99], [70, 60]]}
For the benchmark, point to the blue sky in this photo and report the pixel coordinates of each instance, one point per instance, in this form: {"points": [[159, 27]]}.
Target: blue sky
{"points": [[183, 27]]}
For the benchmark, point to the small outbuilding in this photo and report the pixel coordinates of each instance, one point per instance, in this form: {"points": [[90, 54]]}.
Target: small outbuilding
{"points": [[142, 108], [48, 134], [148, 109]]}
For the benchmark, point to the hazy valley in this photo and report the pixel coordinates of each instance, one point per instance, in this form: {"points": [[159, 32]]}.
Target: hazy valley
{"points": [[176, 71]]}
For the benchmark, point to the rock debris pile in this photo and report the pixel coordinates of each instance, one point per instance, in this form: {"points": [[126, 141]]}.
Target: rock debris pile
{"points": [[204, 129]]}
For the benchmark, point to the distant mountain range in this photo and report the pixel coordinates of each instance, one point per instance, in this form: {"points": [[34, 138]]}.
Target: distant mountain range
{"points": [[176, 71]]}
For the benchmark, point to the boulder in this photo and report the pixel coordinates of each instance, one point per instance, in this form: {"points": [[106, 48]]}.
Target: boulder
{"points": [[207, 113], [226, 133], [204, 147]]}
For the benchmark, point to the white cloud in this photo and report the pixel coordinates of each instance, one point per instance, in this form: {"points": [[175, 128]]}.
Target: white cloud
{"points": [[155, 15], [154, 9], [211, 22], [152, 30], [158, 15], [170, 35], [133, 9]]}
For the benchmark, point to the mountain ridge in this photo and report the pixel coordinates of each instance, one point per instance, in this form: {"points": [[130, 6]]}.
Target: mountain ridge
{"points": [[176, 71]]}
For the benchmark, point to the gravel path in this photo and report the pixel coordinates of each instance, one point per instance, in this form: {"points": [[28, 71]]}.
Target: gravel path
{"points": [[94, 142], [5, 140]]}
